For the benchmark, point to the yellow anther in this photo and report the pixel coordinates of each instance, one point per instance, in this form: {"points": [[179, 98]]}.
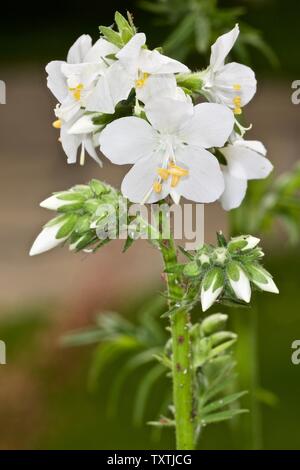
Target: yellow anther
{"points": [[237, 87], [176, 172], [163, 173], [76, 92], [140, 82], [157, 187], [57, 124], [237, 101]]}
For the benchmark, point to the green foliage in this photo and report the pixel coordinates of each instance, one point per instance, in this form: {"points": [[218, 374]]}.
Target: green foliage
{"points": [[126, 30], [145, 346], [269, 203], [196, 24]]}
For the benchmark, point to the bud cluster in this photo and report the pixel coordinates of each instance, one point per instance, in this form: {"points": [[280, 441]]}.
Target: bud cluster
{"points": [[229, 271], [81, 211]]}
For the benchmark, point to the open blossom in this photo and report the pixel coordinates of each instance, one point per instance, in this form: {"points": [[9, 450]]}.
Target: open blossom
{"points": [[168, 152], [245, 161], [148, 72], [231, 84], [76, 136], [72, 81]]}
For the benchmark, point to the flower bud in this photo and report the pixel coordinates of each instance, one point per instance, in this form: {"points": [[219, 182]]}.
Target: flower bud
{"points": [[212, 286], [46, 240], [239, 281], [244, 242], [213, 323], [261, 278]]}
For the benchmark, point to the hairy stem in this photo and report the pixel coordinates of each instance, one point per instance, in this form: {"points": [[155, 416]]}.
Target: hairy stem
{"points": [[181, 357]]}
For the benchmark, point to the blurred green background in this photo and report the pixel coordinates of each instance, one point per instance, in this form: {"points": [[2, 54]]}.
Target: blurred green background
{"points": [[44, 399]]}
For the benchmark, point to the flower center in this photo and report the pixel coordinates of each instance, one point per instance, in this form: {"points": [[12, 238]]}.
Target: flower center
{"points": [[174, 171], [76, 91], [142, 78], [237, 101]]}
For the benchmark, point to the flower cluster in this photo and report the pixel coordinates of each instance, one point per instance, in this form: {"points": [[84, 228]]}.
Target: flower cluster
{"points": [[140, 107], [228, 272]]}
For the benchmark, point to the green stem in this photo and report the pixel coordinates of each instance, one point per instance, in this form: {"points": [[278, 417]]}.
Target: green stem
{"points": [[181, 357]]}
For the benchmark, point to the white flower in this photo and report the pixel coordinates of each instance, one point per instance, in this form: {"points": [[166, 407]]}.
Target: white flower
{"points": [[78, 134], [168, 152], [239, 281], [71, 82], [245, 161], [46, 240], [150, 73], [231, 84]]}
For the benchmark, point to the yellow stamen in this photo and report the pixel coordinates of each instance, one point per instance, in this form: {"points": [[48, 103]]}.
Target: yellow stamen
{"points": [[237, 87], [76, 92], [176, 172], [163, 173], [237, 103], [57, 124], [140, 82], [157, 187]]}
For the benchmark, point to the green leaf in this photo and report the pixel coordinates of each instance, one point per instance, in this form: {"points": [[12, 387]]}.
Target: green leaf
{"points": [[121, 22], [111, 36], [222, 416], [202, 33], [183, 31], [67, 227], [221, 403], [143, 392]]}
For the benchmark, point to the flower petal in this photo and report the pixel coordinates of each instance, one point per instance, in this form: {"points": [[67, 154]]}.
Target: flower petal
{"points": [[84, 125], [235, 191], [128, 139], [221, 48], [70, 143], [137, 185], [168, 115], [79, 49], [56, 82], [46, 240], [129, 54], [111, 88], [210, 126], [244, 163], [155, 63], [204, 182], [230, 76], [100, 49]]}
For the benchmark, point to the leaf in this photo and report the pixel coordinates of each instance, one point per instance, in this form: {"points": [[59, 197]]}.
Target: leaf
{"points": [[221, 403], [202, 33], [183, 31], [143, 392], [222, 416], [111, 36]]}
